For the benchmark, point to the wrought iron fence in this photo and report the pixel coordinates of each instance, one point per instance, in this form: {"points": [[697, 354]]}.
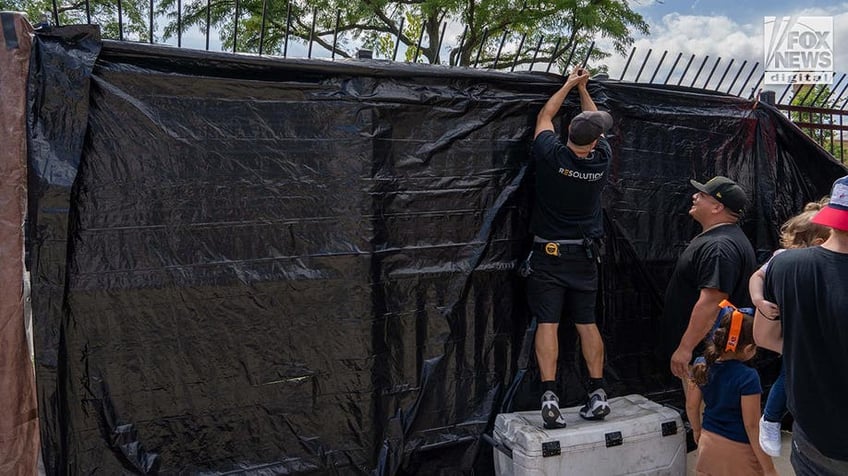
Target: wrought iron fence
{"points": [[818, 110]]}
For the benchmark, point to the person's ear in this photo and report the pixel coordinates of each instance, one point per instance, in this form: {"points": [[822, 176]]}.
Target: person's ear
{"points": [[818, 241]]}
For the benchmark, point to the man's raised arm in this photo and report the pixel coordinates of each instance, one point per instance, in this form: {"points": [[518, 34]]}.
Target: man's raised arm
{"points": [[544, 121]]}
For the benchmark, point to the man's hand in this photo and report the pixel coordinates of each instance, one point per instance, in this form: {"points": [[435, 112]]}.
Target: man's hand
{"points": [[767, 308], [583, 75], [680, 362], [579, 77]]}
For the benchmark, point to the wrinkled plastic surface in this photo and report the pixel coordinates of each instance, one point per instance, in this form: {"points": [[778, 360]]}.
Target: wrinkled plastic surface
{"points": [[18, 409], [308, 267]]}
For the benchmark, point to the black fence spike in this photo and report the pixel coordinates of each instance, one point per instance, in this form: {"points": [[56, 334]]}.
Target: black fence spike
{"points": [[500, 48], [839, 96], [724, 75], [780, 100], [180, 22], [750, 75], [821, 90], [397, 39], [482, 44], [336, 34], [55, 14], [461, 44], [718, 60], [518, 52], [536, 52], [662, 58], [759, 82], [700, 68], [671, 71], [834, 88], [262, 27], [588, 54], [418, 46], [208, 20], [686, 69], [150, 18], [88, 12], [311, 31], [554, 55], [441, 39], [570, 53], [288, 26], [809, 91], [627, 64], [735, 78], [235, 24], [644, 62], [121, 21]]}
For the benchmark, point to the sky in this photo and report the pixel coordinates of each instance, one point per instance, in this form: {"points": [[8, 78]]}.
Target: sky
{"points": [[721, 28], [714, 28]]}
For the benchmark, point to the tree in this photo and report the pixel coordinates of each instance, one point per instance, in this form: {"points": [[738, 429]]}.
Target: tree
{"points": [[547, 30], [811, 103], [134, 19]]}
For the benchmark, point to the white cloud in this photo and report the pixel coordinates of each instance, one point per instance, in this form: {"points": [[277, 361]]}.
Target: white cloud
{"points": [[713, 36], [716, 36]]}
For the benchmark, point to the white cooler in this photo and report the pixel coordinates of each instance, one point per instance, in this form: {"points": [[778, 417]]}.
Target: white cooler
{"points": [[639, 437]]}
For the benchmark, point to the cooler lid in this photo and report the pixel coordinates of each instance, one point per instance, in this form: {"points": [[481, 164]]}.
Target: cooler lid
{"points": [[633, 417]]}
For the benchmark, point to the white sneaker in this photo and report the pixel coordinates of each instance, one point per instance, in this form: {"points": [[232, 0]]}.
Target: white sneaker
{"points": [[596, 407], [770, 437], [551, 416]]}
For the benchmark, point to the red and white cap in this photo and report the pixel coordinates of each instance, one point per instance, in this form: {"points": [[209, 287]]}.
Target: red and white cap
{"points": [[835, 214]]}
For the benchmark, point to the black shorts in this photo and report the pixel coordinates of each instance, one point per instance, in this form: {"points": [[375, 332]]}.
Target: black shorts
{"points": [[558, 284]]}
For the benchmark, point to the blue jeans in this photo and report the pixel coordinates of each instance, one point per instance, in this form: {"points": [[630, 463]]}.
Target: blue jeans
{"points": [[808, 461], [775, 407]]}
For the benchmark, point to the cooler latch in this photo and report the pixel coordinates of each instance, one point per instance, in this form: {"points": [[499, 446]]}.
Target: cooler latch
{"points": [[550, 448], [669, 428], [614, 439]]}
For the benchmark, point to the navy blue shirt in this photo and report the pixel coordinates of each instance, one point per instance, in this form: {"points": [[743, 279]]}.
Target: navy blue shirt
{"points": [[568, 189], [727, 382]]}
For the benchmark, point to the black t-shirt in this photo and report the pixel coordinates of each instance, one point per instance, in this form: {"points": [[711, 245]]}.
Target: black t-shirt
{"points": [[721, 258], [568, 189], [811, 288]]}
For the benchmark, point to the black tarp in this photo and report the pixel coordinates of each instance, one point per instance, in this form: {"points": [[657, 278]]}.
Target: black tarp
{"points": [[271, 266]]}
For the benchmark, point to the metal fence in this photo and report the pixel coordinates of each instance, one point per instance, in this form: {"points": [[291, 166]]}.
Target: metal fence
{"points": [[818, 111]]}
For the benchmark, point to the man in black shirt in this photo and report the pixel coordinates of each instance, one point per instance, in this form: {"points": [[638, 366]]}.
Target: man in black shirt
{"points": [[566, 222], [715, 266], [810, 286]]}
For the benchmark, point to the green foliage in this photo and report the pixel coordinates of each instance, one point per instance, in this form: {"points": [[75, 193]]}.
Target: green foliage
{"points": [[565, 25], [818, 96], [134, 14]]}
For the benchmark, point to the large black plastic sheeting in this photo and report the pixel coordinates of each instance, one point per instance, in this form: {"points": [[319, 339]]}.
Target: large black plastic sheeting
{"points": [[271, 266]]}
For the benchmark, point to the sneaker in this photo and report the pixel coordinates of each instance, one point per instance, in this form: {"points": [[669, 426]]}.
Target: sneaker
{"points": [[596, 407], [770, 437], [551, 415]]}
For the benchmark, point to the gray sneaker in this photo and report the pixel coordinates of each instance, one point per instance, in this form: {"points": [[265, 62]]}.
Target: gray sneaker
{"points": [[596, 407], [551, 415]]}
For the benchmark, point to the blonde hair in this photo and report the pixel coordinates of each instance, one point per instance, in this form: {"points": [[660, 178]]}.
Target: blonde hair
{"points": [[800, 231]]}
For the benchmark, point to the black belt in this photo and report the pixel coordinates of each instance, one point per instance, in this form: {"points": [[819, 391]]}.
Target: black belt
{"points": [[553, 248]]}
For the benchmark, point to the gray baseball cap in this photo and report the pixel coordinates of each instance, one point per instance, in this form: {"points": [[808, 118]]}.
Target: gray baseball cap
{"points": [[588, 126]]}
